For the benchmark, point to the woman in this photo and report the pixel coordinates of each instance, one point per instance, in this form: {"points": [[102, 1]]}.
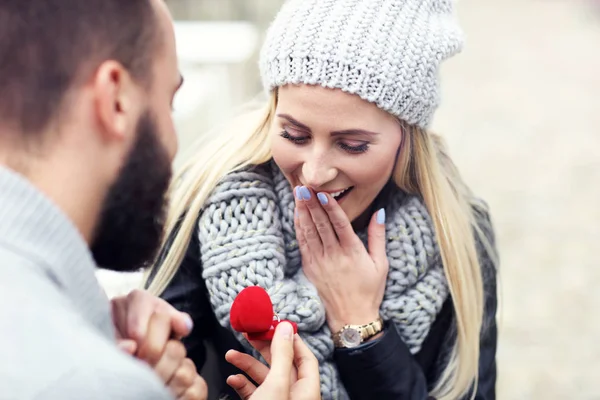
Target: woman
{"points": [[336, 199]]}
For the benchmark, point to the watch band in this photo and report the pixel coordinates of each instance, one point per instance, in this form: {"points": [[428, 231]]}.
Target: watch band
{"points": [[371, 329], [353, 335]]}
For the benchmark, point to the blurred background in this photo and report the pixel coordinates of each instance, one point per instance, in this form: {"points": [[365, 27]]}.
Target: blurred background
{"points": [[521, 114]]}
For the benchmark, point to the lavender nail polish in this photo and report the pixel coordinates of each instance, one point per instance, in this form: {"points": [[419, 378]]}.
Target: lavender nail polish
{"points": [[381, 216], [305, 193], [323, 198]]}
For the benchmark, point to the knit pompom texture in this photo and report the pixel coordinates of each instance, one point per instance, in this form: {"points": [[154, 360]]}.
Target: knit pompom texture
{"points": [[388, 52]]}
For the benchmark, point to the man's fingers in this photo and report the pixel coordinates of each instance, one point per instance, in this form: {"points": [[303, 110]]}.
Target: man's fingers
{"points": [[139, 305], [306, 362], [157, 336], [127, 345], [181, 323], [263, 347], [119, 316], [136, 313], [170, 361], [183, 378], [250, 365], [282, 356], [198, 390], [242, 386]]}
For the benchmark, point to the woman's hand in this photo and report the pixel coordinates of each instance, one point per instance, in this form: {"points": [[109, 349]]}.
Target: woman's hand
{"points": [[350, 280], [294, 372]]}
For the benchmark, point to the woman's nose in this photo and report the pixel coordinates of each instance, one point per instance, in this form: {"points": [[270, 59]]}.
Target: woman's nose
{"points": [[317, 173]]}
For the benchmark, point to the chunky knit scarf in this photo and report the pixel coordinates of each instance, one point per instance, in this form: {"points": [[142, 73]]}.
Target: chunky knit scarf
{"points": [[247, 238]]}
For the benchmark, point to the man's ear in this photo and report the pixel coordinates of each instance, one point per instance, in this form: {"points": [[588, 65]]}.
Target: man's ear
{"points": [[115, 96]]}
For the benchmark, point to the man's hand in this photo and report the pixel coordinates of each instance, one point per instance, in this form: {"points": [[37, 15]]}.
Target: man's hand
{"points": [[169, 360], [288, 353], [149, 328], [131, 315]]}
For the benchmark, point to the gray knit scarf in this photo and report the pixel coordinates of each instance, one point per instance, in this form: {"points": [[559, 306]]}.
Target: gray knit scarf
{"points": [[247, 238]]}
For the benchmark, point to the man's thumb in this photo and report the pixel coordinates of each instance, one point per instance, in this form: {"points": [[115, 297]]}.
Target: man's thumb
{"points": [[127, 345], [377, 237], [181, 323], [282, 355]]}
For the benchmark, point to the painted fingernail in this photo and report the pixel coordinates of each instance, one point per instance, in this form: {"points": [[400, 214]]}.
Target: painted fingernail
{"points": [[322, 198], [296, 213], [305, 193], [285, 330], [381, 216], [297, 193]]}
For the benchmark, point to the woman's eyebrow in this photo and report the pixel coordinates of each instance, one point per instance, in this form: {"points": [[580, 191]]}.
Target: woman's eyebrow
{"points": [[354, 132], [292, 121], [300, 125]]}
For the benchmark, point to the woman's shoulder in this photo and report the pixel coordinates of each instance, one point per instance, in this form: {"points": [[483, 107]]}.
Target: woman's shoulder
{"points": [[486, 237], [488, 259]]}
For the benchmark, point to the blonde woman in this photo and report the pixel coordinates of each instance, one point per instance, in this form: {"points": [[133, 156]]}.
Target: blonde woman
{"points": [[337, 200]]}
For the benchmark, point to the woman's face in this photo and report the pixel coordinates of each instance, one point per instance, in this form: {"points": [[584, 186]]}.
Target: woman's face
{"points": [[334, 142]]}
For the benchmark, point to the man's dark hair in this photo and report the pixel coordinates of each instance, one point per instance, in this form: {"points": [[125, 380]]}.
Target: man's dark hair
{"points": [[48, 46]]}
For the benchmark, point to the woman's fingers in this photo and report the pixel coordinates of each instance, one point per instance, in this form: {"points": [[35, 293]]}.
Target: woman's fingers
{"points": [[377, 239], [250, 365], [315, 203], [342, 226], [311, 238], [300, 238]]}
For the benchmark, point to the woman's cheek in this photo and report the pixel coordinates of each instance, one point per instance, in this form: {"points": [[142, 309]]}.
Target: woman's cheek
{"points": [[283, 156]]}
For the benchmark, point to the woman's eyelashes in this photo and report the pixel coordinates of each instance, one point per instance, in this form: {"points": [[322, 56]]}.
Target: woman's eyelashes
{"points": [[361, 148], [353, 149], [294, 139]]}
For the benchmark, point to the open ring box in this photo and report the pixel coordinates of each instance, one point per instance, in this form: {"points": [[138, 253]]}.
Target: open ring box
{"points": [[252, 313]]}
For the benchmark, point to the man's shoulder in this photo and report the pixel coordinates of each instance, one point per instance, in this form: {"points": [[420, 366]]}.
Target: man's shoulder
{"points": [[109, 376], [51, 352], [73, 361]]}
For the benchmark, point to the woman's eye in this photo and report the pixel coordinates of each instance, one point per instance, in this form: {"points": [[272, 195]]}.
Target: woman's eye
{"points": [[294, 139], [361, 148], [353, 149]]}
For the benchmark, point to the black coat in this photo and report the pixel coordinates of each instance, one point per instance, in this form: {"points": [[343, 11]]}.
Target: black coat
{"points": [[382, 369]]}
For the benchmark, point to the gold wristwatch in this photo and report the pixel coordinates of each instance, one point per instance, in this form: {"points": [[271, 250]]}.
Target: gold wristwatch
{"points": [[353, 335]]}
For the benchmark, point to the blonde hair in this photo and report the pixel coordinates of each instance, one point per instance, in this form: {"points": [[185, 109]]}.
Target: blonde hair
{"points": [[423, 169]]}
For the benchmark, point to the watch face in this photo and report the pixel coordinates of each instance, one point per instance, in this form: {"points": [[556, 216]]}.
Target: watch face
{"points": [[350, 337]]}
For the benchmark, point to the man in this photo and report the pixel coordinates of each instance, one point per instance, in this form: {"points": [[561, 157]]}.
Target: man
{"points": [[86, 144]]}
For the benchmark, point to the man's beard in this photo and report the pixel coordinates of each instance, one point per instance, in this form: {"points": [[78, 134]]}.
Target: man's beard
{"points": [[131, 224]]}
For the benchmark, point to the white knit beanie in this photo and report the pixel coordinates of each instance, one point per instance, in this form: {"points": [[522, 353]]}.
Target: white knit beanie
{"points": [[388, 52]]}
